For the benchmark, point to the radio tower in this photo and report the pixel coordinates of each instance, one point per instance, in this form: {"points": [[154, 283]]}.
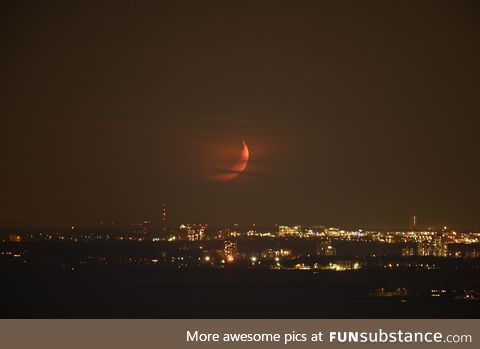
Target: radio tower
{"points": [[164, 217], [413, 222]]}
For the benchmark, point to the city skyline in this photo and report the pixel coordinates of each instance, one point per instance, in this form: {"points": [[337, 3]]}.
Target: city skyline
{"points": [[162, 221]]}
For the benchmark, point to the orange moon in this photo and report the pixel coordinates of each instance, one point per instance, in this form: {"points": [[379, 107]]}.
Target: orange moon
{"points": [[238, 167]]}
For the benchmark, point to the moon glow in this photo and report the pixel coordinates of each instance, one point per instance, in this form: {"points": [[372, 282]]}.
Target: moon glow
{"points": [[237, 168]]}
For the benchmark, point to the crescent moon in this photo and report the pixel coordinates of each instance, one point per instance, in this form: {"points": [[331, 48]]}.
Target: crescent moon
{"points": [[238, 167]]}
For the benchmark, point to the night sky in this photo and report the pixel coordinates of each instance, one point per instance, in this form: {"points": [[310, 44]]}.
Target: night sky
{"points": [[356, 113]]}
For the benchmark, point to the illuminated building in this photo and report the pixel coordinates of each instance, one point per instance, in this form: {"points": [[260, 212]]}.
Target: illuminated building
{"points": [[440, 246], [271, 253], [408, 251], [252, 233], [230, 250], [469, 295], [398, 292], [331, 231], [340, 265], [424, 248], [435, 245], [223, 234], [325, 248], [284, 230], [193, 232], [226, 233], [316, 230], [15, 238]]}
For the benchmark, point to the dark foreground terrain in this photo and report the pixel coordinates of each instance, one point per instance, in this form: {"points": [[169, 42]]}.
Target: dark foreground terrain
{"points": [[151, 291]]}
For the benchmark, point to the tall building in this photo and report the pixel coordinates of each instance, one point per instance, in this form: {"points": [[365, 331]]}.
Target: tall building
{"points": [[436, 246], [440, 246], [193, 232], [230, 250]]}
